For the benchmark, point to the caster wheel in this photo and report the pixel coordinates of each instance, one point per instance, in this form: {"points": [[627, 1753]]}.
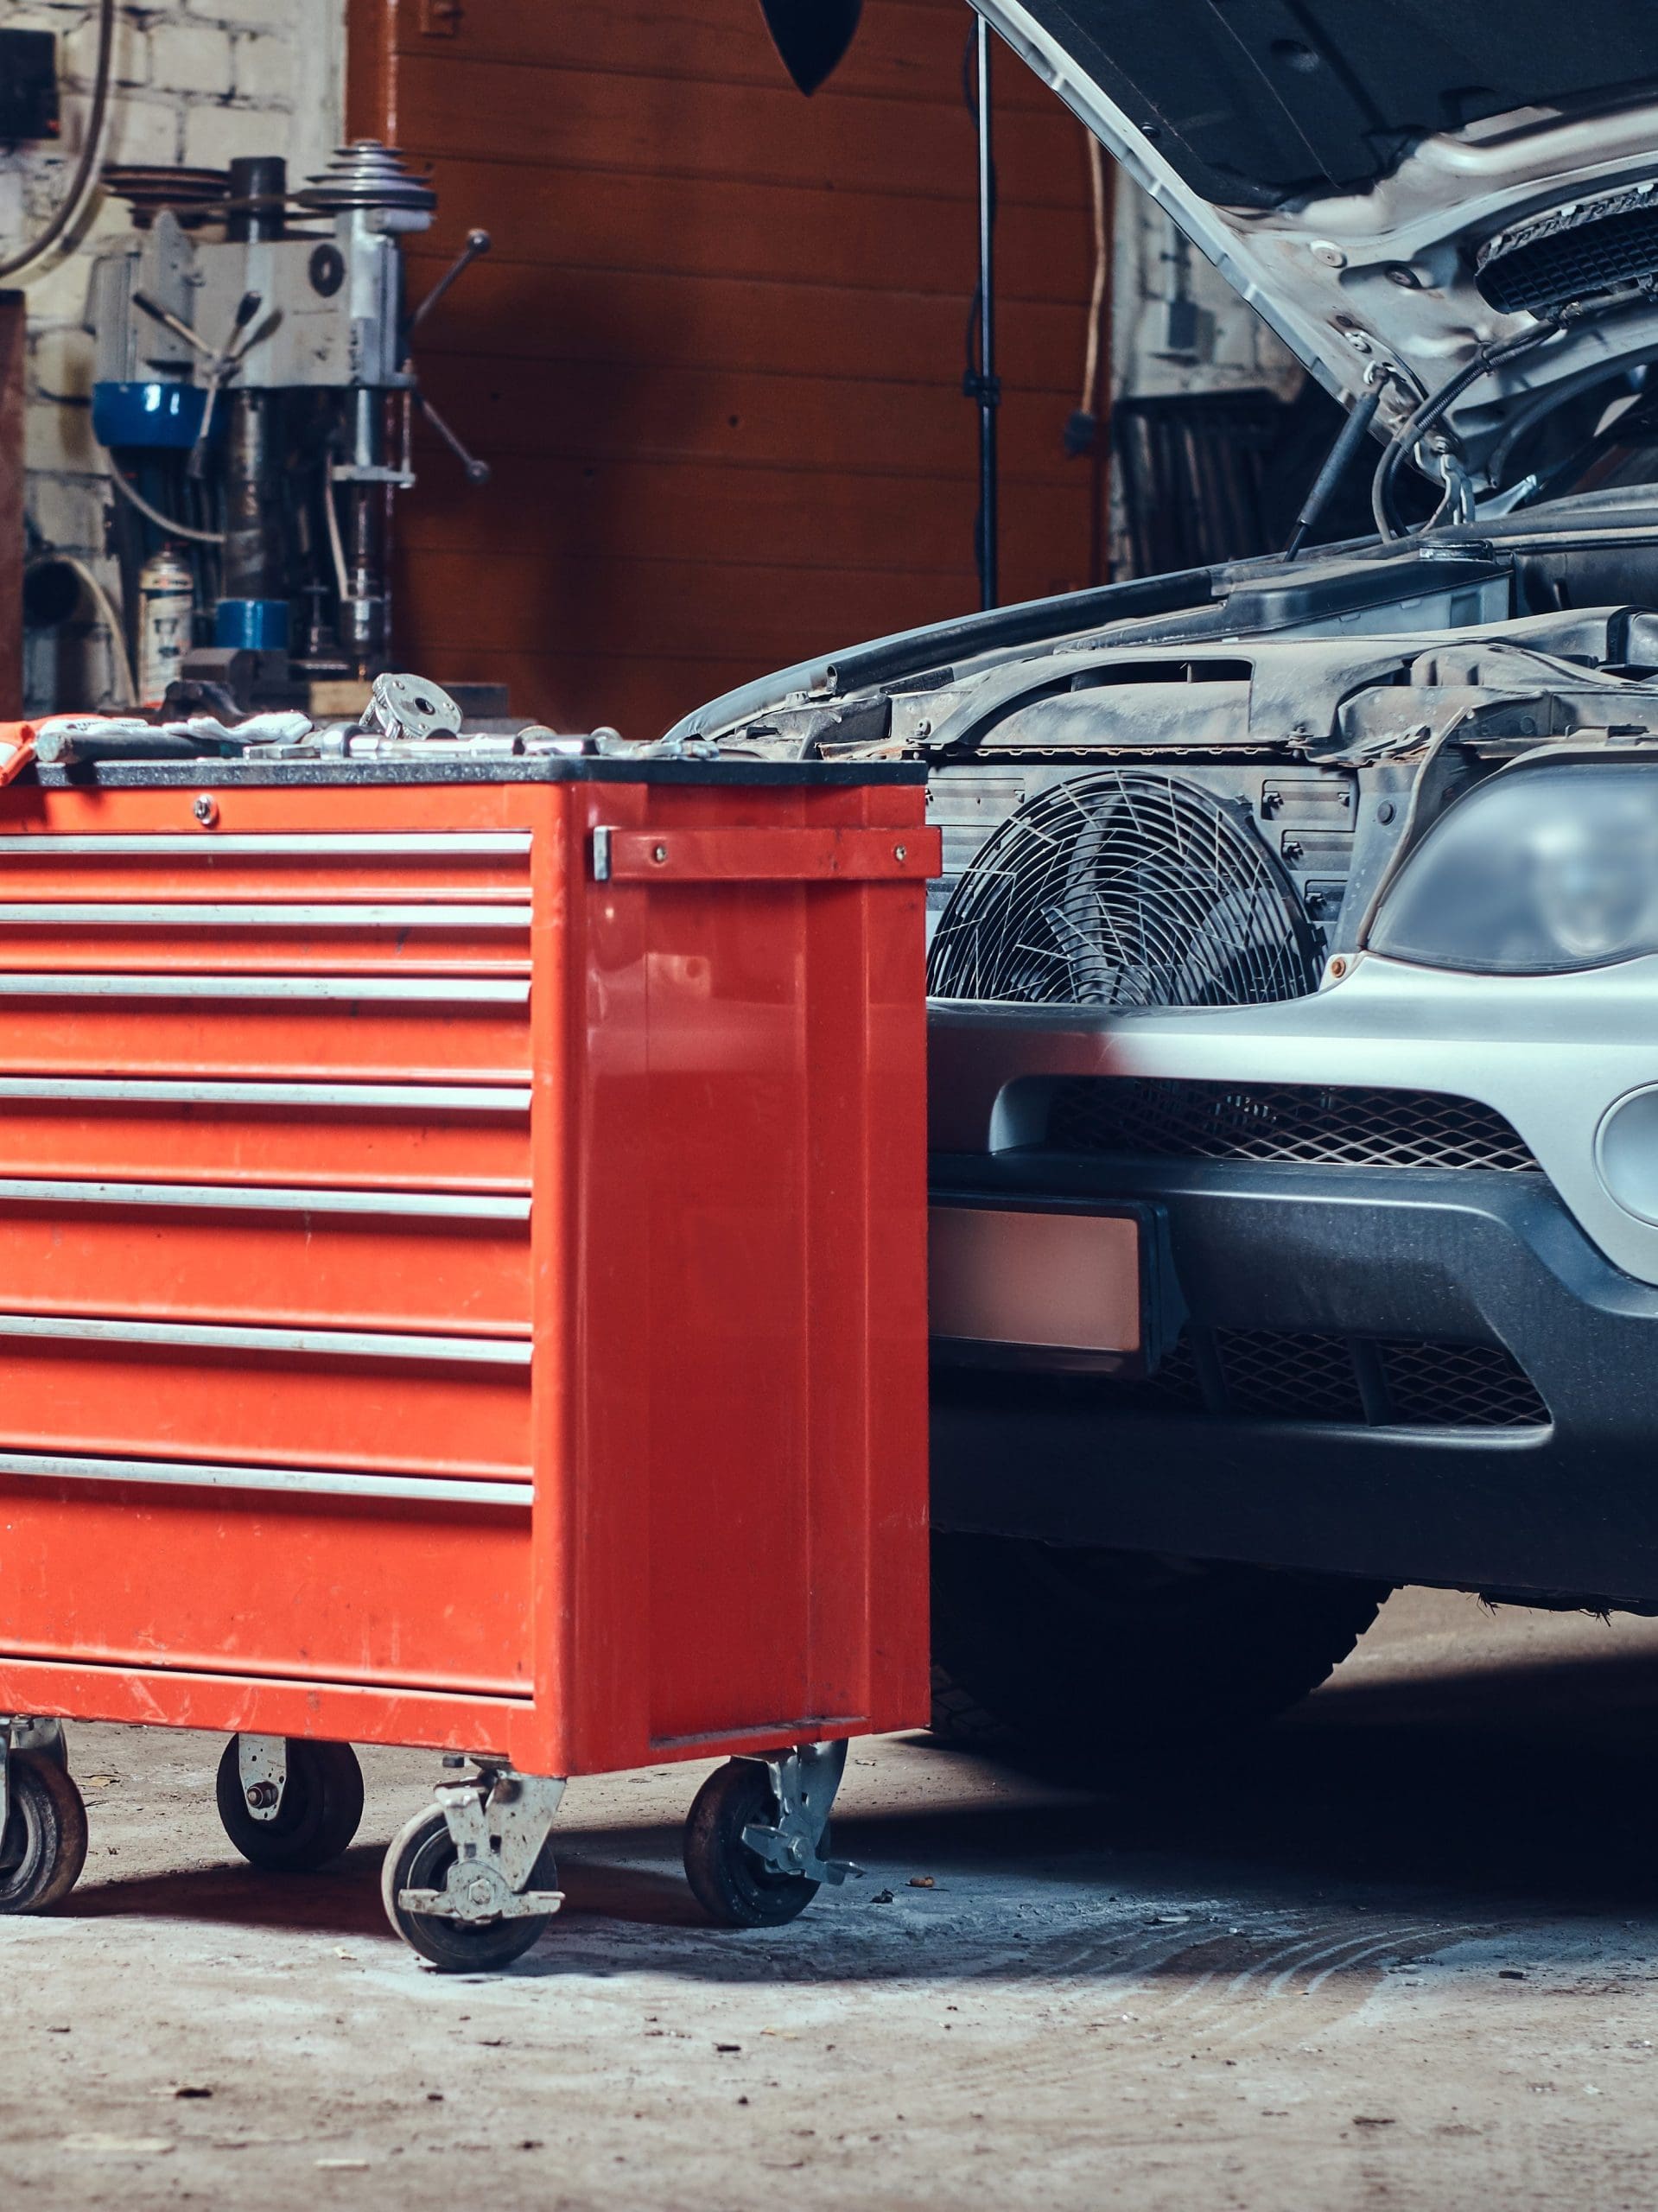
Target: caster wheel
{"points": [[321, 1805], [420, 1859], [734, 1886], [44, 1847]]}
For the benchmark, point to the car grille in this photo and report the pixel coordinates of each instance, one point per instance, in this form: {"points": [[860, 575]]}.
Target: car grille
{"points": [[1312, 1124], [1358, 1382]]}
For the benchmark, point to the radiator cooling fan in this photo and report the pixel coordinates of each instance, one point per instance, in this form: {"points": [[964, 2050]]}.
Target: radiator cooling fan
{"points": [[1124, 888]]}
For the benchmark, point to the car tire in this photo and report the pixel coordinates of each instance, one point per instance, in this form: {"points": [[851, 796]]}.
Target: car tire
{"points": [[1082, 1658]]}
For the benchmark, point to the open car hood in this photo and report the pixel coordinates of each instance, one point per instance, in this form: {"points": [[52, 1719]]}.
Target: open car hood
{"points": [[1393, 184]]}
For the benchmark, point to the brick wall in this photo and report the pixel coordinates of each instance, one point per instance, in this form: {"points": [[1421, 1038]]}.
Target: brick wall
{"points": [[194, 84]]}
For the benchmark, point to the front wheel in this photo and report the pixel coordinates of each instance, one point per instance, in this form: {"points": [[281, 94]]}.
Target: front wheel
{"points": [[321, 1807], [1087, 1658], [44, 1845], [420, 1859], [733, 1885]]}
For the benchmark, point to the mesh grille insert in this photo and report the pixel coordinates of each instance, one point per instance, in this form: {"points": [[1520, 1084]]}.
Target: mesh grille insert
{"points": [[1459, 1386], [1289, 1377], [1572, 254], [1317, 1125], [1275, 1375]]}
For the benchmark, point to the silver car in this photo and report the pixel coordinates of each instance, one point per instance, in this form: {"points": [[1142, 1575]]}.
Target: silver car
{"points": [[1294, 975]]}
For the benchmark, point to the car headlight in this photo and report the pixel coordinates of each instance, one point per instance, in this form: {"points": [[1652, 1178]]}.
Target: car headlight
{"points": [[1538, 871]]}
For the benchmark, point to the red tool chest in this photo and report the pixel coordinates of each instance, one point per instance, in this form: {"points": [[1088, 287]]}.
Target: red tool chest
{"points": [[462, 1266]]}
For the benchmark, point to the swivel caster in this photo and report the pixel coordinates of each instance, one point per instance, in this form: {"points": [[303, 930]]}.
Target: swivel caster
{"points": [[757, 1840], [42, 1829], [47, 1738], [289, 1805], [471, 1882]]}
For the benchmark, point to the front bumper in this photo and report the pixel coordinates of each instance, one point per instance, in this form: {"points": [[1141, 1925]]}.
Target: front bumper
{"points": [[1566, 1507], [1552, 1054]]}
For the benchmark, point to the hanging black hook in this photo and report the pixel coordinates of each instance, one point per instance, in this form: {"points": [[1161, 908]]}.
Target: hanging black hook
{"points": [[811, 36]]}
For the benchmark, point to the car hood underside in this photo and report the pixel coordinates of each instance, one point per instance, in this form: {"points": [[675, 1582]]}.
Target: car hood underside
{"points": [[1392, 187]]}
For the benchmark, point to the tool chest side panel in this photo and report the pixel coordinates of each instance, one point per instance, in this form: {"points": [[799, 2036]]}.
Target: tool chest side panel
{"points": [[727, 1165], [866, 1183]]}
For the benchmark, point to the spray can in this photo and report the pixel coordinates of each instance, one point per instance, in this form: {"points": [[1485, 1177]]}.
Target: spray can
{"points": [[166, 603]]}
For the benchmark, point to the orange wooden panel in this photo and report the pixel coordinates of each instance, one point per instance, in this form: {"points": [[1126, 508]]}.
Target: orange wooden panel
{"points": [[234, 1407], [762, 135], [235, 1583], [536, 312], [336, 1146], [769, 617], [696, 270], [867, 241], [320, 1270], [907, 49], [702, 511], [737, 415]]}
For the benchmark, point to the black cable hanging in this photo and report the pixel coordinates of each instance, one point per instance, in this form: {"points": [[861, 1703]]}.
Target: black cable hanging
{"points": [[981, 383], [1434, 407]]}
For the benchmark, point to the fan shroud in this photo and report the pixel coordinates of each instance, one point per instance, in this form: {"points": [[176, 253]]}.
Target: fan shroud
{"points": [[1127, 887]]}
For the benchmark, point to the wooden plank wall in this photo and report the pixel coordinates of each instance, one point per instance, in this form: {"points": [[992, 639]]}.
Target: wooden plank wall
{"points": [[715, 357]]}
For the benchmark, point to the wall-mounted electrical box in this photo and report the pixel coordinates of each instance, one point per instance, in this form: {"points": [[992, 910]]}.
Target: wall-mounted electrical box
{"points": [[29, 88]]}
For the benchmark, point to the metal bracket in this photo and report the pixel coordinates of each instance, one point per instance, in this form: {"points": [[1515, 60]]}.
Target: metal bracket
{"points": [[262, 1767], [748, 854], [499, 1822], [19, 1733], [351, 472], [804, 1781], [1458, 505]]}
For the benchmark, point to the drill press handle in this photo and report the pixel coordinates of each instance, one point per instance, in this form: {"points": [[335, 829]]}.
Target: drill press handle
{"points": [[478, 243]]}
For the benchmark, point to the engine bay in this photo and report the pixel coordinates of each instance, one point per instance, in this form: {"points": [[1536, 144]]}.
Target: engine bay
{"points": [[1246, 773]]}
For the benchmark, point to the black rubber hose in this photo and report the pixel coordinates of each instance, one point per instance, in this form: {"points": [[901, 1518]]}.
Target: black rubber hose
{"points": [[71, 204], [1431, 411]]}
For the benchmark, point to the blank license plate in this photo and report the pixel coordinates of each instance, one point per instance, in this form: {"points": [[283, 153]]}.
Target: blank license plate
{"points": [[1063, 1281]]}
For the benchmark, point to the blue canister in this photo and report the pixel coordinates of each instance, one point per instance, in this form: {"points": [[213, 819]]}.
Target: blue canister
{"points": [[261, 625]]}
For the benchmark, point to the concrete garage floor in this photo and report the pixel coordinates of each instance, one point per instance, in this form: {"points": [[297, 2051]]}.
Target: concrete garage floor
{"points": [[1408, 1954]]}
